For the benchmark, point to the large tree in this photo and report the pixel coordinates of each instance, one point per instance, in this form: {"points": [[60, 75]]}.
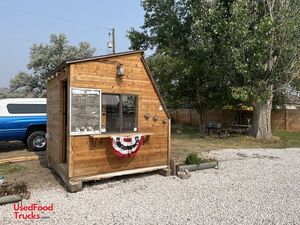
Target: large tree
{"points": [[265, 48], [20, 86], [187, 70], [251, 45], [45, 57], [20, 80]]}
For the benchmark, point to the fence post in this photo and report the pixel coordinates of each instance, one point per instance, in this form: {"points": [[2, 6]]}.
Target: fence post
{"points": [[285, 119], [222, 119]]}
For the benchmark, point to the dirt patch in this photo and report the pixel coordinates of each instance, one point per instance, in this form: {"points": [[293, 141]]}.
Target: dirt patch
{"points": [[10, 168], [34, 173]]}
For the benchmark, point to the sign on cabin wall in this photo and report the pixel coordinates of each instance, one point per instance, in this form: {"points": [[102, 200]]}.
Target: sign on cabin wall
{"points": [[85, 111]]}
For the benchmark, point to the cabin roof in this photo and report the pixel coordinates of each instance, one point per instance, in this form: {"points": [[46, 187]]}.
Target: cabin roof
{"points": [[67, 62]]}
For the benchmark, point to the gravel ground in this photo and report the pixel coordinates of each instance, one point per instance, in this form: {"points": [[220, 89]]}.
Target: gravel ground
{"points": [[260, 186]]}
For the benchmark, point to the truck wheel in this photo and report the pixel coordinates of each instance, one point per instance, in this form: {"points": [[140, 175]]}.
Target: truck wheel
{"points": [[36, 141]]}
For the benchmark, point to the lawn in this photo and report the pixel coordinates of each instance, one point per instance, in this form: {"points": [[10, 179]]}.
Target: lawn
{"points": [[190, 140]]}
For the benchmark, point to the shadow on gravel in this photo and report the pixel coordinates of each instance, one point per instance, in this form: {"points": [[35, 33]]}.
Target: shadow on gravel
{"points": [[17, 149], [111, 182], [6, 146]]}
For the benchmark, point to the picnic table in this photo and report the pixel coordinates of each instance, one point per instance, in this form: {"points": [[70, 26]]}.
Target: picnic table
{"points": [[242, 128], [234, 129], [212, 126]]}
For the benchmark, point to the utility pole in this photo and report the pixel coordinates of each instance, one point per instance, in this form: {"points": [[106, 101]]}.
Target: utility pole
{"points": [[113, 41]]}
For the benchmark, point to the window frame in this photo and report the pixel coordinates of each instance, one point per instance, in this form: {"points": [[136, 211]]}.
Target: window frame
{"points": [[121, 113], [72, 133]]}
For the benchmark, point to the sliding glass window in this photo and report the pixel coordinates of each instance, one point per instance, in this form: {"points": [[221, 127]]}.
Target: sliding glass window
{"points": [[119, 113]]}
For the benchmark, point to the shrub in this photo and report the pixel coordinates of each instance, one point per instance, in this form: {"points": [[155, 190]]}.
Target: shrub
{"points": [[193, 158]]}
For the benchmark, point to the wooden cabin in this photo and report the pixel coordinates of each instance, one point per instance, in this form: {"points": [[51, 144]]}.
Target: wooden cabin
{"points": [[106, 118]]}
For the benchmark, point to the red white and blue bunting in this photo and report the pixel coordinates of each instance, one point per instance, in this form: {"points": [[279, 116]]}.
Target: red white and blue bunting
{"points": [[127, 146]]}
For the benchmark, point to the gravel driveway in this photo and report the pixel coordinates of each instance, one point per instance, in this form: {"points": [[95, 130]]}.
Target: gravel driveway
{"points": [[259, 186]]}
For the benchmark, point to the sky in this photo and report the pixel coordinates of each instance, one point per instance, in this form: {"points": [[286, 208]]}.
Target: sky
{"points": [[32, 21]]}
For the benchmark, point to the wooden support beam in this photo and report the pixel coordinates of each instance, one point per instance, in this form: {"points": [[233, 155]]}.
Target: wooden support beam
{"points": [[19, 159], [115, 174]]}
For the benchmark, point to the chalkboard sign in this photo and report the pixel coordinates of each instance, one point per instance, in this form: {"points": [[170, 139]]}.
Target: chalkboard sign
{"points": [[85, 111]]}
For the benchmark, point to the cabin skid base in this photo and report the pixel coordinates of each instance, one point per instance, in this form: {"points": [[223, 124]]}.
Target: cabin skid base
{"points": [[165, 172], [75, 184]]}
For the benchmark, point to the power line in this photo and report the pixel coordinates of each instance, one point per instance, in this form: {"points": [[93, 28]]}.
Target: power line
{"points": [[16, 38], [54, 19]]}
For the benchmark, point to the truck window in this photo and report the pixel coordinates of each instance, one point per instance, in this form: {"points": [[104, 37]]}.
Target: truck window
{"points": [[26, 108]]}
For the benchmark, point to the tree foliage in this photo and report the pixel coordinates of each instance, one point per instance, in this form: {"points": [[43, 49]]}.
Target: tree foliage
{"points": [[45, 57], [265, 46], [186, 69], [22, 79], [245, 49], [20, 86]]}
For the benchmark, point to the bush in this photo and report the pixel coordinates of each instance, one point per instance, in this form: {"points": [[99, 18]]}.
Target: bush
{"points": [[193, 158]]}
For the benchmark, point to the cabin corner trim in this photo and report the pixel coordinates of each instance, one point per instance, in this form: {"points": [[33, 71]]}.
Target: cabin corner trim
{"points": [[155, 86]]}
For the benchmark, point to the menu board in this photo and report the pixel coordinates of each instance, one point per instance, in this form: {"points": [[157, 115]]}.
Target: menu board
{"points": [[85, 111]]}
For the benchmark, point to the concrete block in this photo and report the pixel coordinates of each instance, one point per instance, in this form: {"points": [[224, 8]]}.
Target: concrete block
{"points": [[165, 172], [184, 174], [201, 166], [75, 186], [187, 172]]}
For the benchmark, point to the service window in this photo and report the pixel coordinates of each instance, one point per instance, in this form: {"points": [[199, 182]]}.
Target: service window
{"points": [[119, 113], [85, 111]]}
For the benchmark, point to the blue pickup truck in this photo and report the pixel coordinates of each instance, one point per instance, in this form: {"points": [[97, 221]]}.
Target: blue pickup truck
{"points": [[24, 119]]}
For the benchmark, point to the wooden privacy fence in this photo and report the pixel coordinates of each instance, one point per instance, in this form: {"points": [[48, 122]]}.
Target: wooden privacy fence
{"points": [[282, 119]]}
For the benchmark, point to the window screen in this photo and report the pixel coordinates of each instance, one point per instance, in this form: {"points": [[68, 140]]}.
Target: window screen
{"points": [[119, 113], [85, 111], [26, 108]]}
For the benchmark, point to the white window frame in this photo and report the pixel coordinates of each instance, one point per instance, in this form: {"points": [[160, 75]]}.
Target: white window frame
{"points": [[81, 133]]}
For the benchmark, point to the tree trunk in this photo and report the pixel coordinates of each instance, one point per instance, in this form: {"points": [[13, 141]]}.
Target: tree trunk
{"points": [[202, 116], [261, 127]]}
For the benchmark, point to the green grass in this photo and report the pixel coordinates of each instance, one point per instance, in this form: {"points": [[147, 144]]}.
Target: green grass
{"points": [[10, 168], [190, 140], [288, 139]]}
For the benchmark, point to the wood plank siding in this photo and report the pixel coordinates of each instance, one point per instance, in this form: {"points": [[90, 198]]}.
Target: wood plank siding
{"points": [[84, 158]]}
